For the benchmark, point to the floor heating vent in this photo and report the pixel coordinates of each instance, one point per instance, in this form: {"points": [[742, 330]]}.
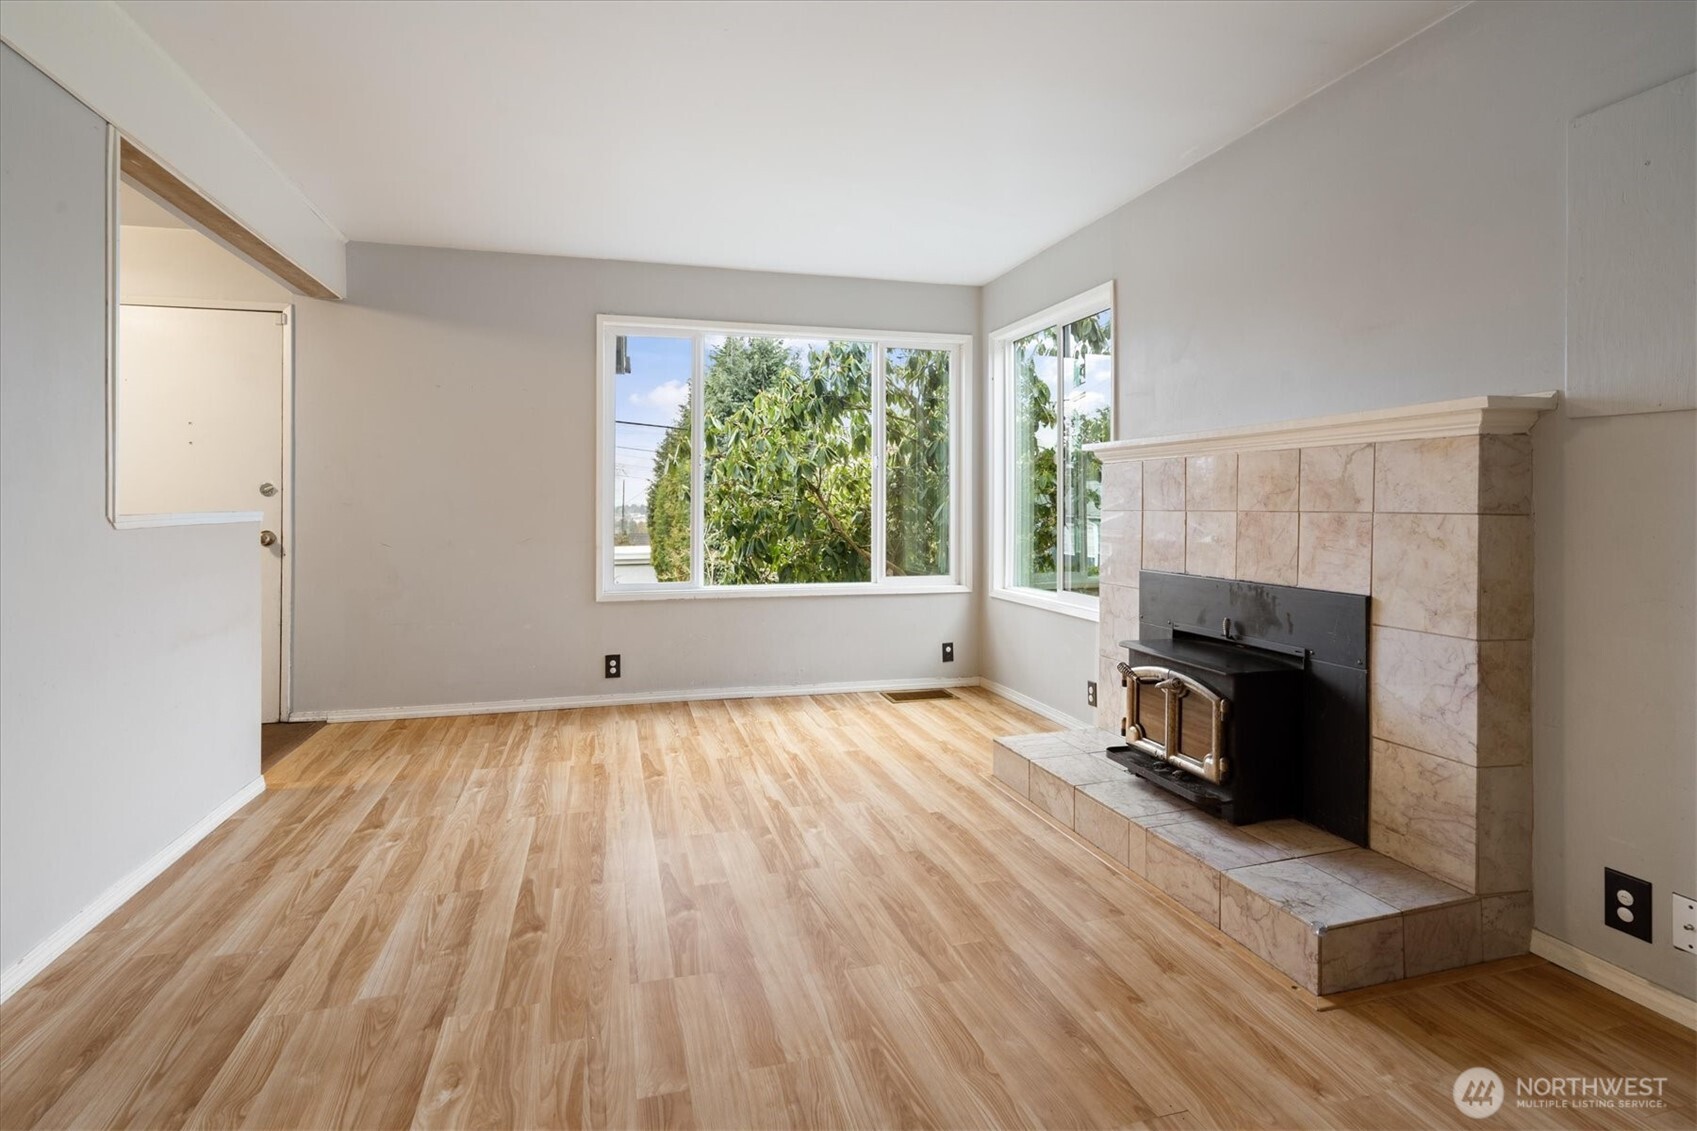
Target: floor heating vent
{"points": [[912, 696]]}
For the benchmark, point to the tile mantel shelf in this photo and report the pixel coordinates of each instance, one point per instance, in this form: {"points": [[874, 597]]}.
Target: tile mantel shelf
{"points": [[1468, 416]]}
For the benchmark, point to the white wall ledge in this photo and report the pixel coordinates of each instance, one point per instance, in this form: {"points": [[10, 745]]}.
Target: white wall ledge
{"points": [[1083, 609], [193, 518], [1469, 416]]}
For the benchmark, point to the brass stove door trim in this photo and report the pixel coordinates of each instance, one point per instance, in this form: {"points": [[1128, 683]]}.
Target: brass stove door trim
{"points": [[1176, 687]]}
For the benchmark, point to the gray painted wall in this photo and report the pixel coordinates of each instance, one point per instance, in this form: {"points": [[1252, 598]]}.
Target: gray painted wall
{"points": [[1398, 238], [1614, 744], [129, 679], [445, 470]]}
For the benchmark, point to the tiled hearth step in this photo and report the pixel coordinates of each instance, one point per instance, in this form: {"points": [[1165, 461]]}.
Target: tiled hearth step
{"points": [[1327, 914]]}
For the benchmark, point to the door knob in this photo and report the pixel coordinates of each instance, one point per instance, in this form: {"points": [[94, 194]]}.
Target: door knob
{"points": [[267, 538], [268, 489]]}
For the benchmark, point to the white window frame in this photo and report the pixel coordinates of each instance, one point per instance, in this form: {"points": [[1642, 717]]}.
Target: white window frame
{"points": [[1002, 388], [610, 327]]}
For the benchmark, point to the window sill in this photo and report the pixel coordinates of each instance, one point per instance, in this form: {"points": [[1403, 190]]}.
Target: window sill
{"points": [[755, 592], [194, 518], [1084, 608]]}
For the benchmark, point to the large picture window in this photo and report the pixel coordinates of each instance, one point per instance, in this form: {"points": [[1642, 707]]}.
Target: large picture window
{"points": [[1054, 386], [765, 460]]}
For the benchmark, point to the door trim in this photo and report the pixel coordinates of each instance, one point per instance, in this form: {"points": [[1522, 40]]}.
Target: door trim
{"points": [[286, 600]]}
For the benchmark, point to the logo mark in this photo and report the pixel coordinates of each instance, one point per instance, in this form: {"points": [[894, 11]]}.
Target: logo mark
{"points": [[1478, 1092]]}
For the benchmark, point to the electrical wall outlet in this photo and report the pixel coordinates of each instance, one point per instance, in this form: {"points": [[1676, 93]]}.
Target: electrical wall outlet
{"points": [[610, 666], [1626, 904], [949, 653], [1684, 923], [1090, 691]]}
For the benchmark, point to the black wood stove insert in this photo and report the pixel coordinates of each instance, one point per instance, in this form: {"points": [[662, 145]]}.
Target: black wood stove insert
{"points": [[1250, 700]]}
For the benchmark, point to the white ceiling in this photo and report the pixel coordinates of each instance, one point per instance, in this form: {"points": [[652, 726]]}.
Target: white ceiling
{"points": [[941, 142]]}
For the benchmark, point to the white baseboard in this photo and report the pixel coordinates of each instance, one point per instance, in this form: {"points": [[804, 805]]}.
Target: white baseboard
{"points": [[55, 944], [568, 702], [1034, 705], [1623, 982]]}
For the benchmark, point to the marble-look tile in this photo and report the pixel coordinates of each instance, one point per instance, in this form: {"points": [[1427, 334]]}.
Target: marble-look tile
{"points": [[1505, 702], [1505, 475], [1505, 577], [1266, 546], [1116, 617], [1441, 938], [1110, 696], [1295, 838], [1319, 899], [1268, 481], [1388, 881], [1163, 484], [1338, 478], [1136, 799], [1504, 809], [1122, 485], [1163, 541], [1101, 826], [1013, 769], [1433, 476], [1053, 795], [1210, 543], [1188, 880], [1122, 546], [1424, 691], [1454, 475], [1463, 699], [1217, 844], [1426, 572], [1044, 742], [1137, 848], [1079, 769], [1089, 740], [1366, 954], [1210, 482], [1422, 812], [1272, 935], [1335, 551], [1505, 925], [1171, 817]]}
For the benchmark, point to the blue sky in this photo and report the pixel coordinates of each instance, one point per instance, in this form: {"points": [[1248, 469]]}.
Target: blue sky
{"points": [[650, 393], [658, 381]]}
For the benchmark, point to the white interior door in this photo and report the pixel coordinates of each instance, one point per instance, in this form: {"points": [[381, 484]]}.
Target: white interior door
{"points": [[200, 428]]}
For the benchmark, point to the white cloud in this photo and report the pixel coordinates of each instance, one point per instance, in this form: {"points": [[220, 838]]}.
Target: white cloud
{"points": [[1087, 400], [668, 395]]}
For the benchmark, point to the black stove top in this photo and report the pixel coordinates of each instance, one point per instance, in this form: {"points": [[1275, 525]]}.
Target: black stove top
{"points": [[1218, 657]]}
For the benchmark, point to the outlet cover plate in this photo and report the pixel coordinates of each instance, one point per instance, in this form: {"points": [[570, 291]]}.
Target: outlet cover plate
{"points": [[1090, 691], [1627, 904], [949, 653], [1684, 923]]}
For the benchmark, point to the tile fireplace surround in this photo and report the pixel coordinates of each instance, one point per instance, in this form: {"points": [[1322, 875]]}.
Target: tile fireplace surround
{"points": [[1426, 509]]}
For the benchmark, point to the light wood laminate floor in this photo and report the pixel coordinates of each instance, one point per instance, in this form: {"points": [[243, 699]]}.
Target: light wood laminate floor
{"points": [[809, 912]]}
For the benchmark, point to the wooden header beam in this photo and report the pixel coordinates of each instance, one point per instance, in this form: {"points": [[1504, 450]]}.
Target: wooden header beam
{"points": [[167, 186]]}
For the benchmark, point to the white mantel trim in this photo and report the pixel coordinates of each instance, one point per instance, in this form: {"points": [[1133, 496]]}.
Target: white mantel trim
{"points": [[1469, 416]]}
